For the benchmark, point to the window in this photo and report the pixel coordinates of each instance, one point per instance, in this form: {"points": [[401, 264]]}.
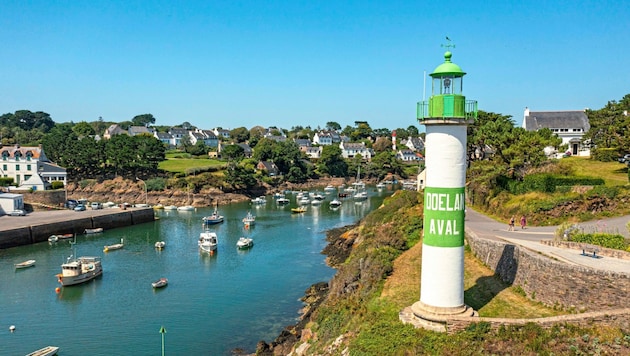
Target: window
{"points": [[28, 166], [17, 167], [4, 167]]}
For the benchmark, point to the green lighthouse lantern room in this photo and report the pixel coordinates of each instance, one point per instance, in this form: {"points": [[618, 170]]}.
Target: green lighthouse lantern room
{"points": [[447, 100]]}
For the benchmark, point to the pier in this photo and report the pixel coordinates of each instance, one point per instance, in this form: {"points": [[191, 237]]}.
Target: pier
{"points": [[39, 225]]}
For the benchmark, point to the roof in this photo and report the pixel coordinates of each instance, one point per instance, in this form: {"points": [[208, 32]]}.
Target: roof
{"points": [[556, 119], [35, 152], [448, 67]]}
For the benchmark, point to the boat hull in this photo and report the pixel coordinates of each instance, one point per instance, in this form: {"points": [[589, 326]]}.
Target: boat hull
{"points": [[85, 277], [45, 351]]}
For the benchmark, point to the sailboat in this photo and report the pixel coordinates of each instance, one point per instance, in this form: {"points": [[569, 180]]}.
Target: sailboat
{"points": [[215, 218], [360, 193], [186, 207]]}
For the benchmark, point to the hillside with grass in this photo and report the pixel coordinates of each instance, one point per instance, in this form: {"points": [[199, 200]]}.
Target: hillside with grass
{"points": [[378, 274]]}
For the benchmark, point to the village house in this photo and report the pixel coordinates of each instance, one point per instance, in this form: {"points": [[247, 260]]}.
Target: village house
{"points": [[269, 167], [351, 149], [30, 168], [570, 126], [113, 130]]}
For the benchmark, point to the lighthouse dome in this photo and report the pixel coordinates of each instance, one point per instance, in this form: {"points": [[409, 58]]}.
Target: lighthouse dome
{"points": [[448, 68]]}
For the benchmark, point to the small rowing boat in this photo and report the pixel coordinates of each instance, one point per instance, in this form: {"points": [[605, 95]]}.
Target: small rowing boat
{"points": [[160, 245], [45, 351], [25, 264], [93, 231], [162, 282], [114, 246]]}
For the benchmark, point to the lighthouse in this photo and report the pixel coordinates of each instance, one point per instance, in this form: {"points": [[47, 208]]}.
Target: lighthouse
{"points": [[445, 115]]}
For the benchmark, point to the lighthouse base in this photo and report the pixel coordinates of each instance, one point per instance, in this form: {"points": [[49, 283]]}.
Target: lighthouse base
{"points": [[435, 318]]}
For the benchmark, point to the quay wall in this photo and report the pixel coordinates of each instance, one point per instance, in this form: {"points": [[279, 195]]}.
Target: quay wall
{"points": [[37, 227], [551, 282]]}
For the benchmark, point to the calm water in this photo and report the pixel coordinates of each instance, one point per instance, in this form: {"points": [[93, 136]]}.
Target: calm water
{"points": [[212, 304]]}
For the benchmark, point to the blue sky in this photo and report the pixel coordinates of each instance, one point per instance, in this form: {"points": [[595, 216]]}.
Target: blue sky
{"points": [[288, 63]]}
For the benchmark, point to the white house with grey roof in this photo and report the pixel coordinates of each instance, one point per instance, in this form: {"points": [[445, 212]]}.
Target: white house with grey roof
{"points": [[29, 167], [570, 126]]}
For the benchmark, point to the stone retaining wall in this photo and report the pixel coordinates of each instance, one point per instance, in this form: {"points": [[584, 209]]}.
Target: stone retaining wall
{"points": [[72, 224], [550, 282]]}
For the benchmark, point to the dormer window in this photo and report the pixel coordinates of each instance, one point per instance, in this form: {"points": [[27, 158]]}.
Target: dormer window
{"points": [[29, 154], [17, 155], [5, 155]]}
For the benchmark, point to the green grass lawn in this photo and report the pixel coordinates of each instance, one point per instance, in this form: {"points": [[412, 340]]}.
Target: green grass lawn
{"points": [[613, 173], [181, 165]]}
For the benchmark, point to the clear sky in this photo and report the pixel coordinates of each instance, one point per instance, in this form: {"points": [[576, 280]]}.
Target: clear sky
{"points": [[287, 63]]}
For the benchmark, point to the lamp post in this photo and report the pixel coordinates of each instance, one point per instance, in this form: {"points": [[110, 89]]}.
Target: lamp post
{"points": [[162, 331], [146, 194]]}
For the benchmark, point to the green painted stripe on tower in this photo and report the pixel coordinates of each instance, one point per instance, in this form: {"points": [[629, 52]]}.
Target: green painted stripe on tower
{"points": [[444, 216]]}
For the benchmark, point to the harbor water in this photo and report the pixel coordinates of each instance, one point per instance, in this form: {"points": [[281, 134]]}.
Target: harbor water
{"points": [[212, 304]]}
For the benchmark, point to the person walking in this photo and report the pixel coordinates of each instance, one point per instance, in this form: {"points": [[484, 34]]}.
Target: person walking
{"points": [[523, 222], [511, 224]]}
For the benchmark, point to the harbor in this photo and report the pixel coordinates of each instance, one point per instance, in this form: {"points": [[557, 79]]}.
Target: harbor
{"points": [[38, 226], [213, 303]]}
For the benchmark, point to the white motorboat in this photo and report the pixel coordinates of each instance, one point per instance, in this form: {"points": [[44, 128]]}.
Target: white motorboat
{"points": [[53, 238], [170, 207], [207, 241], [160, 245], [186, 208], [304, 201], [108, 248], [282, 201], [245, 242], [249, 219], [260, 200], [335, 203], [162, 282], [316, 202], [25, 264], [45, 351], [79, 270], [360, 195], [380, 186], [330, 188]]}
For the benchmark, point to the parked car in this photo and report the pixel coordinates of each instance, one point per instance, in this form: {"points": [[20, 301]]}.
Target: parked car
{"points": [[71, 204], [79, 207], [17, 212], [625, 159], [96, 205]]}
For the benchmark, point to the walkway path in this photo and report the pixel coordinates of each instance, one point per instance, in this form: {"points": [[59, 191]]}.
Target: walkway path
{"points": [[530, 238]]}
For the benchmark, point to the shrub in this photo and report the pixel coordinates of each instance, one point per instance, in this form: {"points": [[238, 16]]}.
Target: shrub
{"points": [[156, 184], [56, 184], [614, 241]]}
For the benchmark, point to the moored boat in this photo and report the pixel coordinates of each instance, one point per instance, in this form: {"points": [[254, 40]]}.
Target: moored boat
{"points": [[298, 210], [259, 200], [245, 242], [108, 248], [215, 218], [329, 188], [186, 208], [55, 238], [335, 203], [79, 270], [207, 241], [170, 207], [25, 264], [93, 231], [45, 351], [162, 282], [282, 201], [160, 245], [249, 219]]}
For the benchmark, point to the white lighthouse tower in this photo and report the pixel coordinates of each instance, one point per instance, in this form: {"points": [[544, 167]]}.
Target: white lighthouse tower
{"points": [[445, 116]]}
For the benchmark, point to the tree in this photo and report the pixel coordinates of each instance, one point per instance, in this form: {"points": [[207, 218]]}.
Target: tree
{"points": [[413, 131], [514, 148], [83, 129], [610, 126], [233, 152], [198, 149], [143, 120], [331, 162], [333, 126], [240, 134], [383, 132], [239, 177], [402, 134], [385, 163], [382, 144]]}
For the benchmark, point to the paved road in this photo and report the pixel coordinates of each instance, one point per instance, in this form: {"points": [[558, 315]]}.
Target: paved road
{"points": [[530, 238]]}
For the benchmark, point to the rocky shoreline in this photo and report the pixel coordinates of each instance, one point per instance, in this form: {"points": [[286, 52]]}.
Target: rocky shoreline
{"points": [[337, 251]]}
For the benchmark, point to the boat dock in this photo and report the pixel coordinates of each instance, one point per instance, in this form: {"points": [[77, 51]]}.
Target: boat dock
{"points": [[39, 225]]}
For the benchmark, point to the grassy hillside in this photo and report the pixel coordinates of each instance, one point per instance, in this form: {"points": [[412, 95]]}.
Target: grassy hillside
{"points": [[382, 276], [177, 162]]}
